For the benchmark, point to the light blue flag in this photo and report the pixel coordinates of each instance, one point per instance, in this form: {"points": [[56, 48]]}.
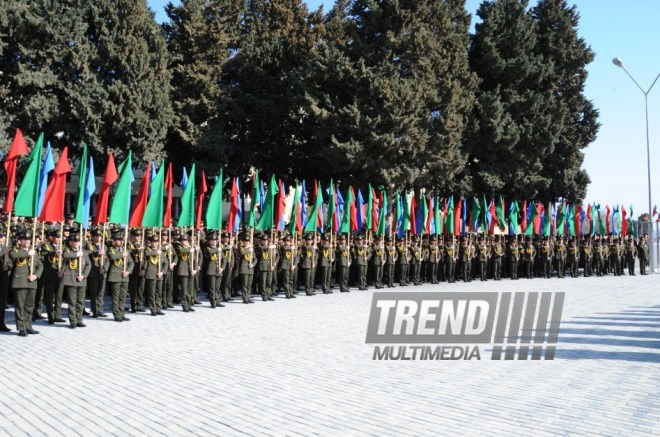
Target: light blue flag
{"points": [[90, 187], [184, 179], [46, 168]]}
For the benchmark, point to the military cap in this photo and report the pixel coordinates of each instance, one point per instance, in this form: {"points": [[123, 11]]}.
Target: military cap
{"points": [[95, 233], [326, 237], [225, 235], [388, 238], [118, 235], [342, 237], [70, 216], [25, 235], [136, 232], [287, 238], [309, 237], [264, 236], [152, 238], [184, 237], [212, 236], [73, 237]]}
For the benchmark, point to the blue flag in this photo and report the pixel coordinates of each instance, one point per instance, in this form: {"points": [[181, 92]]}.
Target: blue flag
{"points": [[46, 168], [360, 202], [239, 213], [303, 205], [464, 214], [184, 179], [90, 187], [340, 204]]}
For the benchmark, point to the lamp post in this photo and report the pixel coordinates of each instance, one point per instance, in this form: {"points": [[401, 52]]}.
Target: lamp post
{"points": [[619, 63]]}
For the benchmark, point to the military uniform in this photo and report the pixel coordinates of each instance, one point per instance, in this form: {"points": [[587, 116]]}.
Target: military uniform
{"points": [[529, 253], [546, 256], [266, 268], [497, 254], [390, 261], [168, 254], [451, 256], [96, 277], [229, 261], [288, 262], [585, 251], [483, 256], [185, 275], [118, 269], [76, 268], [155, 269], [560, 257], [416, 259], [403, 262], [214, 265], [52, 284], [326, 258], [308, 264], [377, 261], [573, 257], [513, 255], [361, 255], [24, 286], [630, 252], [246, 263], [136, 278], [643, 255], [5, 267], [343, 263]]}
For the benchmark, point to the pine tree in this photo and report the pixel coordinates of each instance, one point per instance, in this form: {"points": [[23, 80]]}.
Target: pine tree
{"points": [[201, 35], [265, 115], [393, 91], [513, 130], [559, 43]]}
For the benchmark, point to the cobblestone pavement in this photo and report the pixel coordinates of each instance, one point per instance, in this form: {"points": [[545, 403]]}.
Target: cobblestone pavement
{"points": [[301, 367]]}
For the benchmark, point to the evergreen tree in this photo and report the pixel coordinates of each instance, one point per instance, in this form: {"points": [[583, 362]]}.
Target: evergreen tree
{"points": [[265, 116], [513, 131], [393, 91], [559, 43], [201, 35]]}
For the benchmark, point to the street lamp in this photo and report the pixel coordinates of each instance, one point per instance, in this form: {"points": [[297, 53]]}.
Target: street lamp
{"points": [[618, 63]]}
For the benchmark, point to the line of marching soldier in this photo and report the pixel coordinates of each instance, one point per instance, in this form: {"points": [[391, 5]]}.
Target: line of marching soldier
{"points": [[158, 268]]}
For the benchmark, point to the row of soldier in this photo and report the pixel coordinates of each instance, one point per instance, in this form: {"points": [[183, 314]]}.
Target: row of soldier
{"points": [[173, 266]]}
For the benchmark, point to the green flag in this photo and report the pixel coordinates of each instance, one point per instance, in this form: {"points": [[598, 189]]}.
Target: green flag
{"points": [[499, 210], [382, 215], [405, 218], [214, 209], [532, 216], [370, 209], [267, 215], [331, 207], [547, 220], [256, 200], [437, 217], [313, 219], [632, 226], [121, 202], [27, 198], [601, 224], [513, 218], [153, 213], [187, 216], [561, 219], [484, 211], [571, 220], [449, 218], [346, 219], [82, 181], [475, 212], [425, 214]]}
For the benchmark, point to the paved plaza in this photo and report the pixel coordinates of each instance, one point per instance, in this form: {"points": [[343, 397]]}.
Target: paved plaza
{"points": [[301, 367]]}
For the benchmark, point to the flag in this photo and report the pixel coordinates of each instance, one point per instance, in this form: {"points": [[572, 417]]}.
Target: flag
{"points": [[405, 212], [295, 223], [492, 217], [142, 199], [359, 214], [449, 215], [501, 220], [427, 214], [252, 218], [561, 219], [413, 213], [169, 184], [655, 211], [18, 148], [346, 218], [281, 206], [315, 216], [266, 220], [82, 180], [513, 218], [153, 214], [608, 227], [27, 197], [47, 166], [121, 202], [331, 218], [234, 195], [262, 196], [109, 177], [633, 228], [187, 216], [577, 218], [457, 218], [303, 203], [214, 209], [203, 188], [369, 219], [184, 179], [616, 220], [475, 214], [90, 188], [53, 208], [601, 224], [382, 214], [624, 221], [532, 218], [523, 223], [340, 204]]}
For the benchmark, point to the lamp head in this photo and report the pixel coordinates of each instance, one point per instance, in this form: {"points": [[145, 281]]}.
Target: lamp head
{"points": [[617, 62]]}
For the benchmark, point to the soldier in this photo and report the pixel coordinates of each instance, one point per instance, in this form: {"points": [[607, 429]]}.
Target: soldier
{"points": [[26, 268], [497, 253], [308, 264], [416, 259], [598, 257], [529, 253], [97, 276], [4, 281], [403, 261], [185, 273], [343, 263], [630, 252], [560, 256], [288, 262], [266, 267], [361, 255], [136, 278], [433, 257], [377, 261], [586, 256], [464, 257], [155, 268], [451, 256], [513, 256], [573, 257], [229, 261], [119, 265], [615, 256], [246, 263], [51, 252], [546, 258], [483, 255], [76, 268], [643, 254], [169, 255], [390, 261], [214, 264], [325, 262]]}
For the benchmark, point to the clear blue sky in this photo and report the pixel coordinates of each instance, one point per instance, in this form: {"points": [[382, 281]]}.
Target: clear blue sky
{"points": [[616, 161]]}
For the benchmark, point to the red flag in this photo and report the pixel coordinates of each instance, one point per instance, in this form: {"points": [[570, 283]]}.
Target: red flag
{"points": [[537, 219], [457, 218], [169, 183], [53, 209], [578, 220], [142, 199], [109, 178], [200, 202], [375, 208], [493, 218], [281, 205], [335, 218], [18, 148], [233, 210], [429, 217], [607, 220], [624, 222], [523, 223], [413, 214], [353, 206]]}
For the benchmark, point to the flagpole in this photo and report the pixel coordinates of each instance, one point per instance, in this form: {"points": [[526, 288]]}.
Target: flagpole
{"points": [[8, 236], [59, 257], [34, 231], [160, 235], [220, 247], [80, 248], [103, 243], [125, 246]]}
